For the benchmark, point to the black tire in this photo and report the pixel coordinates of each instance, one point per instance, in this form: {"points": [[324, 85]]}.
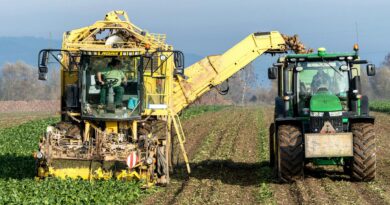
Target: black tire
{"points": [[347, 166], [162, 168], [364, 152], [290, 151]]}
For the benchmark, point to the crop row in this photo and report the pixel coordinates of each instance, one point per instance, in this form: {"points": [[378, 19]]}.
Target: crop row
{"points": [[380, 106], [196, 110]]}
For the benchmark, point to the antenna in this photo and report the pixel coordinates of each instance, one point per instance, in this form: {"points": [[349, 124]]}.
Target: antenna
{"points": [[357, 32]]}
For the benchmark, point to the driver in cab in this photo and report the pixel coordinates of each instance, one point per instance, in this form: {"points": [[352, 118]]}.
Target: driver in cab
{"points": [[114, 77], [321, 81]]}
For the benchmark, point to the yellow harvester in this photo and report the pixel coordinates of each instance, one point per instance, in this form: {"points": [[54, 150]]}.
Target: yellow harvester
{"points": [[125, 132]]}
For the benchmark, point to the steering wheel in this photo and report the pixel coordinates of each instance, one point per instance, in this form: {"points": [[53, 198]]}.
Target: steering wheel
{"points": [[322, 89], [111, 81]]}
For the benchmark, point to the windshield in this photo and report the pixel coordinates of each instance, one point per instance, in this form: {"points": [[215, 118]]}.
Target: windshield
{"points": [[323, 77], [110, 86]]}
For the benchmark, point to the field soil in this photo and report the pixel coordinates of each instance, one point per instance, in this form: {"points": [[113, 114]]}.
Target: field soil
{"points": [[228, 150], [30, 106], [13, 113]]}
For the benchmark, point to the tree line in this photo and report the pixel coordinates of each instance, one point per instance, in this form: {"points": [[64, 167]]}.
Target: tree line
{"points": [[19, 81]]}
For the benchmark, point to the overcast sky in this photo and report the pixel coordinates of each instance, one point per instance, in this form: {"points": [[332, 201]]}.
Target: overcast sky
{"points": [[212, 26]]}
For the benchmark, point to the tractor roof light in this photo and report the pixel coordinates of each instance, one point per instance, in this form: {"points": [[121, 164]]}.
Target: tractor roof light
{"points": [[321, 52], [355, 47], [299, 68]]}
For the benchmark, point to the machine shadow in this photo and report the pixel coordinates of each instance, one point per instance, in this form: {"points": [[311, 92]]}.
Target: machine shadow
{"points": [[320, 173], [17, 167], [228, 172]]}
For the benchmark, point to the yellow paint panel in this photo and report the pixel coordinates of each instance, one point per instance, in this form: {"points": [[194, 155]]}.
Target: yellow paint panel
{"points": [[112, 127], [213, 70]]}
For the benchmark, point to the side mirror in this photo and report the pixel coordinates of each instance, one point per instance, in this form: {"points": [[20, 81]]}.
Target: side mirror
{"points": [[370, 69], [178, 58], [272, 73], [42, 65]]}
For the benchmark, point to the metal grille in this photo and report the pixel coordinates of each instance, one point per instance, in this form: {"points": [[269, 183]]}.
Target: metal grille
{"points": [[316, 123]]}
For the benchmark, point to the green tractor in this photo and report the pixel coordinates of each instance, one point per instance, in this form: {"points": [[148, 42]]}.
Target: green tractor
{"points": [[321, 116]]}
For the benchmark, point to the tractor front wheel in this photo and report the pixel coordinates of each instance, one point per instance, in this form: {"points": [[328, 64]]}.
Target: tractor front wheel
{"points": [[290, 153], [363, 164]]}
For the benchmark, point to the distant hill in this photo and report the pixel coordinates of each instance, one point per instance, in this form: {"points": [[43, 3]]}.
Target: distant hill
{"points": [[26, 49]]}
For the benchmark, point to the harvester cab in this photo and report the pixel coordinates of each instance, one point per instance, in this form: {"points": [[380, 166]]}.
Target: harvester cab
{"points": [[320, 112]]}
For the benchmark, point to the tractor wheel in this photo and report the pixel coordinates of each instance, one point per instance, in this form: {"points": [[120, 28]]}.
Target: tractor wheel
{"points": [[364, 152], [291, 155]]}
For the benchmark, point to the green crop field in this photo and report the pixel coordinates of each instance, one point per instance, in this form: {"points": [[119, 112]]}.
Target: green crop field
{"points": [[380, 106], [18, 185], [200, 109]]}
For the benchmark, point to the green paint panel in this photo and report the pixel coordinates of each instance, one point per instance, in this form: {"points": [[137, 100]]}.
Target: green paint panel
{"points": [[328, 161], [325, 102]]}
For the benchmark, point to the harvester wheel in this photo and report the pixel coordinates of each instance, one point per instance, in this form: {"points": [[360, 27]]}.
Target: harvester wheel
{"points": [[290, 153], [162, 165], [364, 152]]}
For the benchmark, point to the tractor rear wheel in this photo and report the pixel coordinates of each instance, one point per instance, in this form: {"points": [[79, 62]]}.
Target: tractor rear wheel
{"points": [[290, 153], [363, 164]]}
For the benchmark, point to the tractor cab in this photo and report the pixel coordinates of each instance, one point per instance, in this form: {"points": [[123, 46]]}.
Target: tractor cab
{"points": [[320, 84]]}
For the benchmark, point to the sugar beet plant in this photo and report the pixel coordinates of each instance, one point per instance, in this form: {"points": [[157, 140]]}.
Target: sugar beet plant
{"points": [[18, 186], [380, 106]]}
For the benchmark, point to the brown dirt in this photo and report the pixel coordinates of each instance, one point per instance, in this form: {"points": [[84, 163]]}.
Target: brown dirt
{"points": [[330, 185], [29, 106], [17, 112], [229, 166], [224, 161], [12, 119]]}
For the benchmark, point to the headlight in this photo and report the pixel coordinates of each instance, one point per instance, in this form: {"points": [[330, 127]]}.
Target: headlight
{"points": [[316, 114], [335, 114]]}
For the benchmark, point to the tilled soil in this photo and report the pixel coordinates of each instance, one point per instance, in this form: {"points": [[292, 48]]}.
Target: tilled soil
{"points": [[329, 185], [228, 151], [224, 151]]}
